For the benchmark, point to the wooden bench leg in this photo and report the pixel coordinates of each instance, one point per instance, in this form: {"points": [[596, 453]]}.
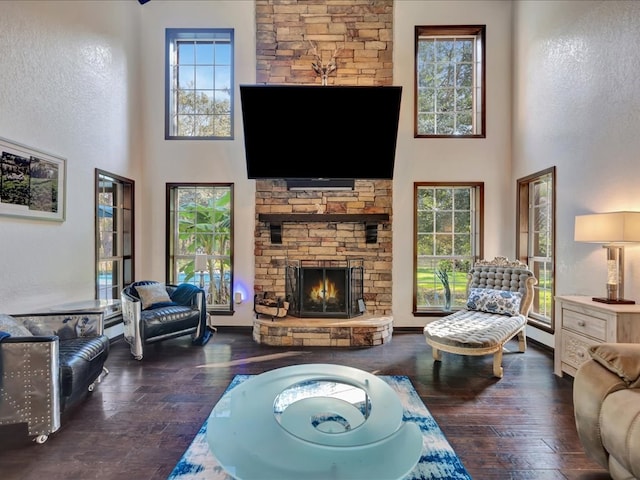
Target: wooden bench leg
{"points": [[497, 364], [437, 354], [522, 341]]}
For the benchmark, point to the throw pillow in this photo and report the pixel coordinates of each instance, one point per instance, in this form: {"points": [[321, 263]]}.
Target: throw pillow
{"points": [[39, 329], [489, 300], [623, 359], [152, 293], [11, 326]]}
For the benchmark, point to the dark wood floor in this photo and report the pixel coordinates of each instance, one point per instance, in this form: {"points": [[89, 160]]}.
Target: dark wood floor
{"points": [[142, 417]]}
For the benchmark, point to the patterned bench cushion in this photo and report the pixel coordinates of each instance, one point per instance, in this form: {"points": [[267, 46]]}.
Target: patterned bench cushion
{"points": [[474, 329], [489, 300]]}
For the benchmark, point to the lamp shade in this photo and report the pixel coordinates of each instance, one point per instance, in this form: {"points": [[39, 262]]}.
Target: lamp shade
{"points": [[201, 262], [613, 227]]}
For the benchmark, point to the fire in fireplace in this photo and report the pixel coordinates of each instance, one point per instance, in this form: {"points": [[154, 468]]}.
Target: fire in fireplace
{"points": [[325, 288]]}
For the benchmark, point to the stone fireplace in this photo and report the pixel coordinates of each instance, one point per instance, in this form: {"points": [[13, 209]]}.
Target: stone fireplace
{"points": [[316, 225], [325, 237], [319, 229]]}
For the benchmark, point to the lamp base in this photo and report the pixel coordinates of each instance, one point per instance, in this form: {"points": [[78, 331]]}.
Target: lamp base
{"points": [[610, 301]]}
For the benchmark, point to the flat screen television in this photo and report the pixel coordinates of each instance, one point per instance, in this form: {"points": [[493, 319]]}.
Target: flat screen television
{"points": [[317, 133]]}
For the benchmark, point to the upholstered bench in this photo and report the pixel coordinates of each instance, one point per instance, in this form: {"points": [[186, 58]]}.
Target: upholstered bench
{"points": [[499, 298]]}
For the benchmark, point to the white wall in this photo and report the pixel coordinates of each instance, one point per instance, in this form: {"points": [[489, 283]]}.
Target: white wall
{"points": [[196, 160], [68, 86], [452, 160], [577, 106], [85, 80]]}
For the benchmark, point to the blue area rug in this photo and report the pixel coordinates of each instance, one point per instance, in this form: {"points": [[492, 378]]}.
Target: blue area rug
{"points": [[437, 462]]}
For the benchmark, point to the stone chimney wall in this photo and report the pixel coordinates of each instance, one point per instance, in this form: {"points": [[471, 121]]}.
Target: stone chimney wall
{"points": [[338, 241], [361, 31]]}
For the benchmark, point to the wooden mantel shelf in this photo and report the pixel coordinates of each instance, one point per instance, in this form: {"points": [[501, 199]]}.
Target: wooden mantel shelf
{"points": [[370, 221], [323, 217]]}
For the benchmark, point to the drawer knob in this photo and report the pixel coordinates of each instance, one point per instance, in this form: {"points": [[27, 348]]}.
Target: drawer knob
{"points": [[581, 323]]}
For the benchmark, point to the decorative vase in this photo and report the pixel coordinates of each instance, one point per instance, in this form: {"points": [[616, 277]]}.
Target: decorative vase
{"points": [[447, 299], [444, 279]]}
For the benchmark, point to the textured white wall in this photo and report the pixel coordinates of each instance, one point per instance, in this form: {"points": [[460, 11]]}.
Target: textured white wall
{"points": [[577, 106], [195, 160], [85, 80], [68, 86], [452, 160]]}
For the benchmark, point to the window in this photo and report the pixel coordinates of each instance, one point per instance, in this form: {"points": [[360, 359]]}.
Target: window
{"points": [[114, 234], [199, 83], [450, 79], [200, 222], [448, 238], [535, 242]]}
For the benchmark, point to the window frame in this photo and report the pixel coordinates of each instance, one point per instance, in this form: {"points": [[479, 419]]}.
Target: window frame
{"points": [[525, 231], [174, 35], [122, 229], [191, 276], [479, 100], [477, 233]]}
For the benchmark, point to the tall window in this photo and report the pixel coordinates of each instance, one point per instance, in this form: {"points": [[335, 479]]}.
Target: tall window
{"points": [[448, 238], [449, 83], [199, 83], [200, 243], [114, 234], [535, 242]]}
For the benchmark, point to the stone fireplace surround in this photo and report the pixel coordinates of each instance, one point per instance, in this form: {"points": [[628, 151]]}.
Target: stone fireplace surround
{"points": [[328, 240], [363, 30]]}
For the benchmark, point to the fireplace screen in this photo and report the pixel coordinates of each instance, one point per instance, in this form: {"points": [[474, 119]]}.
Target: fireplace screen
{"points": [[325, 288]]}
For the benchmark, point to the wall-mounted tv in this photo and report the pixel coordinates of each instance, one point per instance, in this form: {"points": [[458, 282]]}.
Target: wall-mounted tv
{"points": [[316, 133]]}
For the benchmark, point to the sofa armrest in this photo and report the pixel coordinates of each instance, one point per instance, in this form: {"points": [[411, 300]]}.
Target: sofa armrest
{"points": [[63, 324], [30, 383], [132, 321], [623, 359], [592, 384]]}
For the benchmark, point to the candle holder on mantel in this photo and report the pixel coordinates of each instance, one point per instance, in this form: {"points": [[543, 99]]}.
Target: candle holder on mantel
{"points": [[614, 230]]}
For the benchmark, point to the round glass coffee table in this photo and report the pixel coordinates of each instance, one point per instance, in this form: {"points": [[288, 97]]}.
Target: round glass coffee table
{"points": [[315, 421]]}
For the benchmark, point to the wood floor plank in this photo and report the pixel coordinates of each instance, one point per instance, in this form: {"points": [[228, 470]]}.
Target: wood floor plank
{"points": [[139, 421]]}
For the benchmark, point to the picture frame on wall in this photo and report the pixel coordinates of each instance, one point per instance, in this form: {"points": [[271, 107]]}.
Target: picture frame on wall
{"points": [[32, 182]]}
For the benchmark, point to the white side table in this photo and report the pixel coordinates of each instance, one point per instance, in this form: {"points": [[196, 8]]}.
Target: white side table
{"points": [[581, 323]]}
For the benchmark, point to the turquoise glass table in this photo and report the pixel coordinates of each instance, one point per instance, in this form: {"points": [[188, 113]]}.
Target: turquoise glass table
{"points": [[315, 421]]}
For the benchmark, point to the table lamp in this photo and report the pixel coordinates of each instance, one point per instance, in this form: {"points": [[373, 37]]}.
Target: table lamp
{"points": [[201, 266], [614, 229]]}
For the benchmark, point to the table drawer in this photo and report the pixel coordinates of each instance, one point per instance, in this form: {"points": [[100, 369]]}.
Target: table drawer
{"points": [[584, 324], [575, 348]]}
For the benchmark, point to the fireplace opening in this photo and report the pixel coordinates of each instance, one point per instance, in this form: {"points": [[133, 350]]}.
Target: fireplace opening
{"points": [[325, 288]]}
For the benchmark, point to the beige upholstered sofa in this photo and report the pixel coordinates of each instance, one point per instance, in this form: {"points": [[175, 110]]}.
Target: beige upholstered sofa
{"points": [[606, 397]]}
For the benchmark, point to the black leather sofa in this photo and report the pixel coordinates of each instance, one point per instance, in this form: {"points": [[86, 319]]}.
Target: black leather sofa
{"points": [[49, 363]]}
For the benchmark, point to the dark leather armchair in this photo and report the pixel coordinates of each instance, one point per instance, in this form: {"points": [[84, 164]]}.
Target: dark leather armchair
{"points": [[49, 362], [153, 312]]}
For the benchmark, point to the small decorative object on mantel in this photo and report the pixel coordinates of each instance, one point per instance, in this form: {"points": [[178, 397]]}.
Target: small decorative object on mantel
{"points": [[320, 67]]}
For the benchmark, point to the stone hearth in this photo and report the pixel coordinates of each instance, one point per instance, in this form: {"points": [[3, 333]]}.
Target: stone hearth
{"points": [[366, 331]]}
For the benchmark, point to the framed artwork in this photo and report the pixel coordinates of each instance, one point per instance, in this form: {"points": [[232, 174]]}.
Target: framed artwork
{"points": [[32, 182]]}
